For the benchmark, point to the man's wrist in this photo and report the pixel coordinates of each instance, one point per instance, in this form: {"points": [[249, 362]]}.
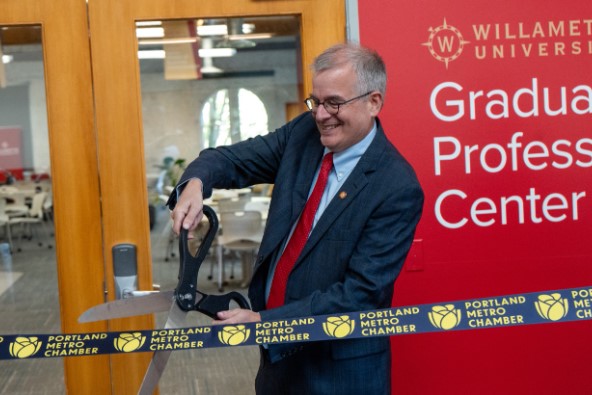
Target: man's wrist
{"points": [[196, 181]]}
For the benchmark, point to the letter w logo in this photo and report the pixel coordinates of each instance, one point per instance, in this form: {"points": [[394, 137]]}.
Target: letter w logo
{"points": [[446, 43]]}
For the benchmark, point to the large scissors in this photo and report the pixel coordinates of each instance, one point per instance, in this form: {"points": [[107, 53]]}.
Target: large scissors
{"points": [[186, 297]]}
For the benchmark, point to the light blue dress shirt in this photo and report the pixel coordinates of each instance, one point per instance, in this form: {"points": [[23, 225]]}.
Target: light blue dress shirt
{"points": [[344, 163]]}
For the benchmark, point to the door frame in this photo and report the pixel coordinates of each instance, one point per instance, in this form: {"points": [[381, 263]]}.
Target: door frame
{"points": [[119, 118], [97, 151], [74, 171]]}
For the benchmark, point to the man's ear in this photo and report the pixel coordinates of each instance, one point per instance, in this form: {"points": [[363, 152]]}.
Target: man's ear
{"points": [[375, 102]]}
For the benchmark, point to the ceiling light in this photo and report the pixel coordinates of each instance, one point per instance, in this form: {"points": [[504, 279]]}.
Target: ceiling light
{"points": [[216, 52], [248, 28], [212, 30], [151, 54], [152, 29], [148, 23], [163, 41], [150, 32], [203, 53], [7, 58]]}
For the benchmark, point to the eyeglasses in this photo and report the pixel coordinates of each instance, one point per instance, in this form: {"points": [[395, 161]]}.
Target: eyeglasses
{"points": [[331, 106]]}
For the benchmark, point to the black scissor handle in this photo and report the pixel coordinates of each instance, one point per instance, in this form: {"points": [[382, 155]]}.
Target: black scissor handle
{"points": [[185, 293], [210, 305]]}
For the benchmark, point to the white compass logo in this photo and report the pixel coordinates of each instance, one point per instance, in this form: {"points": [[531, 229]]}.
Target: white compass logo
{"points": [[445, 43]]}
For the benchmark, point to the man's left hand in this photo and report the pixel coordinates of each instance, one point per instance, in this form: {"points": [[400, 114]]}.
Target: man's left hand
{"points": [[237, 316]]}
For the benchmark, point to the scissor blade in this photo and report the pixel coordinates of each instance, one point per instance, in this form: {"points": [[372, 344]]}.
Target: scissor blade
{"points": [[129, 307], [176, 319]]}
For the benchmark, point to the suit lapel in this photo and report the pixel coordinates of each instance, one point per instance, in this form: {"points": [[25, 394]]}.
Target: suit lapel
{"points": [[343, 198], [287, 215], [356, 181], [304, 182]]}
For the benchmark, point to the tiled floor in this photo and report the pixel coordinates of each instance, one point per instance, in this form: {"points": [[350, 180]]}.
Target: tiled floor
{"points": [[7, 279], [29, 304]]}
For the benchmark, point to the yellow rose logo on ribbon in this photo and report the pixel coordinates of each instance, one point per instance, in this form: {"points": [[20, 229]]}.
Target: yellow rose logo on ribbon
{"points": [[339, 326], [128, 342], [444, 317], [234, 335], [24, 347], [552, 307]]}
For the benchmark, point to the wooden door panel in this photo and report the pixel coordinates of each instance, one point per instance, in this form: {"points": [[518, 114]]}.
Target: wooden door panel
{"points": [[119, 117], [74, 171], [99, 180]]}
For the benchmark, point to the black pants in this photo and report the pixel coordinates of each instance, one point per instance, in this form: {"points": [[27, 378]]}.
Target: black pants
{"points": [[313, 371]]}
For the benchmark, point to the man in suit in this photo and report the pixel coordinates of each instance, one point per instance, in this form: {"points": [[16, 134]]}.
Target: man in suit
{"points": [[362, 229]]}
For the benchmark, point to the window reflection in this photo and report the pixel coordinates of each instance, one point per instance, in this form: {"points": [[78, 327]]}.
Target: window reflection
{"points": [[209, 82], [231, 115], [206, 83], [24, 145], [29, 301]]}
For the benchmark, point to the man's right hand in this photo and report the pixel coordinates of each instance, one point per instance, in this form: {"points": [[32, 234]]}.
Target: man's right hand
{"points": [[188, 211]]}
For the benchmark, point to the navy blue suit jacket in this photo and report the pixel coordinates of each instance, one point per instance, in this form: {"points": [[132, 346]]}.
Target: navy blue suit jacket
{"points": [[359, 244]]}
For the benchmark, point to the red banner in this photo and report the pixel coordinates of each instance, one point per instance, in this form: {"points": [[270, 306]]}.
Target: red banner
{"points": [[492, 104], [10, 151]]}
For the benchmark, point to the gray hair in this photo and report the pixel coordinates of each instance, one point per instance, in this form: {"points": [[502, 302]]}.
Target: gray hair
{"points": [[367, 63]]}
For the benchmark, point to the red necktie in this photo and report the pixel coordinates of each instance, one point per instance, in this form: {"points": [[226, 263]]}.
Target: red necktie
{"points": [[299, 237]]}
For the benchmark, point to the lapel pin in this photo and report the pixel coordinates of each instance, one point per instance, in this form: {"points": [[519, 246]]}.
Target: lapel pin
{"points": [[342, 195]]}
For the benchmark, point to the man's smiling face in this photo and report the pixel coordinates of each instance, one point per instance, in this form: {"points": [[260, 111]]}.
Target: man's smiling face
{"points": [[355, 119]]}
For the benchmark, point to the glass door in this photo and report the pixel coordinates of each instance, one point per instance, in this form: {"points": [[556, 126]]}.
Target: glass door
{"points": [[207, 82], [147, 111], [102, 150], [48, 144], [27, 257]]}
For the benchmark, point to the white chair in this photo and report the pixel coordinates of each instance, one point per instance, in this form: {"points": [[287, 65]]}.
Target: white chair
{"points": [[233, 204], [167, 233], [48, 206], [8, 189], [17, 206], [261, 205], [5, 221], [34, 217], [241, 231]]}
